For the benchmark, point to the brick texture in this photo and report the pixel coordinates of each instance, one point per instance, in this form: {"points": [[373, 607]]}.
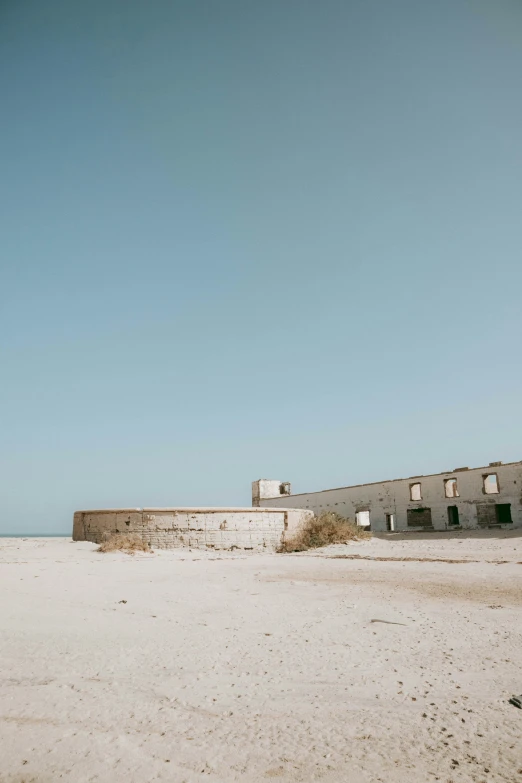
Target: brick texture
{"points": [[225, 529]]}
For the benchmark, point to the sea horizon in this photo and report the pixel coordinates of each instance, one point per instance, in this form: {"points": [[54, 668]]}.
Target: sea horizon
{"points": [[35, 535]]}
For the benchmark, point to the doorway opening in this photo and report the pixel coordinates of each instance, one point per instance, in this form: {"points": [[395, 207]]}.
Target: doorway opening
{"points": [[503, 513], [453, 516], [390, 522]]}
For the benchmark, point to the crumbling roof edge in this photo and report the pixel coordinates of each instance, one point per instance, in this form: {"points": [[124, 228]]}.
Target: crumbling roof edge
{"points": [[186, 510], [451, 473]]}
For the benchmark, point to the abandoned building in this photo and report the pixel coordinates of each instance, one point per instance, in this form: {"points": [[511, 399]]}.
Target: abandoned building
{"points": [[254, 529], [464, 498]]}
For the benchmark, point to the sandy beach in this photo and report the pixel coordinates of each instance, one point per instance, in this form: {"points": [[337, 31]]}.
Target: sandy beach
{"points": [[190, 666]]}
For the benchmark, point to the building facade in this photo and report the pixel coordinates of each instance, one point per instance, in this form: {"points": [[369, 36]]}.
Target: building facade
{"points": [[465, 498]]}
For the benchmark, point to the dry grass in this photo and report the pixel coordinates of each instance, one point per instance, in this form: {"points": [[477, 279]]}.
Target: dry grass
{"points": [[121, 542], [326, 528]]}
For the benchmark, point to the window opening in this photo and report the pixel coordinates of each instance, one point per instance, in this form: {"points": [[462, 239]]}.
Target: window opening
{"points": [[490, 484], [415, 491], [363, 518], [419, 517], [450, 488]]}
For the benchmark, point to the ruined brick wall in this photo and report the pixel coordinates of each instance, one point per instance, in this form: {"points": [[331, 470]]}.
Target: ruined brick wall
{"points": [[248, 529], [476, 506]]}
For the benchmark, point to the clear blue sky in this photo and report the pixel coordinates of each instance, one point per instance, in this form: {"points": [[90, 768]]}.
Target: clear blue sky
{"points": [[243, 239]]}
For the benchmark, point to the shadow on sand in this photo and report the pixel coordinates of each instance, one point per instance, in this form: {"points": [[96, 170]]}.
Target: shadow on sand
{"points": [[432, 535]]}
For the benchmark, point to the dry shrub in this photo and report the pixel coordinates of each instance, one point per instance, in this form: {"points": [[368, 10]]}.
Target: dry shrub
{"points": [[124, 542], [326, 528]]}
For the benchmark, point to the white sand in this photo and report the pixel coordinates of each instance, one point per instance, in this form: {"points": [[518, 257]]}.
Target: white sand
{"points": [[250, 668]]}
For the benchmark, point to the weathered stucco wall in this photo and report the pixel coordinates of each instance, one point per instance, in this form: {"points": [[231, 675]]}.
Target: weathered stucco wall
{"points": [[199, 528], [268, 488], [476, 509]]}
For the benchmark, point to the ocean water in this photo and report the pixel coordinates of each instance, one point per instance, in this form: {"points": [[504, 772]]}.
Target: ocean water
{"points": [[35, 535]]}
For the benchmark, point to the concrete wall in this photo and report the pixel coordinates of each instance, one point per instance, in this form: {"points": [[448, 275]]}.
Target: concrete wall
{"points": [[268, 488], [476, 509], [199, 528]]}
